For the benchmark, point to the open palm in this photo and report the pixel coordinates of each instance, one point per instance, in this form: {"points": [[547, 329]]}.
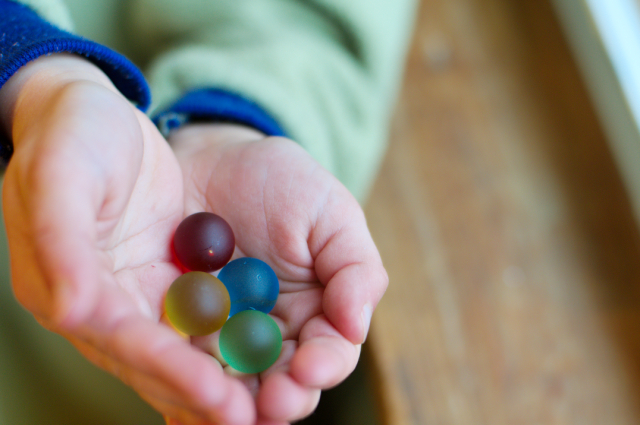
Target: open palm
{"points": [[288, 211], [92, 196]]}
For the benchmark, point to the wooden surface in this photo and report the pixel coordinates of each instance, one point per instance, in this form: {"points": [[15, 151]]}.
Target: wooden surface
{"points": [[512, 253]]}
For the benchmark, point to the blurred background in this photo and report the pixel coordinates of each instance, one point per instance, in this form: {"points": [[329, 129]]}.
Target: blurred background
{"points": [[507, 215]]}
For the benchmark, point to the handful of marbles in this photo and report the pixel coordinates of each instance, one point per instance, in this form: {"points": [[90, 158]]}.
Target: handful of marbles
{"points": [[237, 301]]}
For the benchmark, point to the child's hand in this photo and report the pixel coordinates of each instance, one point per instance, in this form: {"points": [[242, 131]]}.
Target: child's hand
{"points": [[91, 198], [287, 210]]}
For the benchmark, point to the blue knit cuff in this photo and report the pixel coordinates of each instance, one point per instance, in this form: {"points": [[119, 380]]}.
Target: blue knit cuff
{"points": [[216, 105], [24, 36]]}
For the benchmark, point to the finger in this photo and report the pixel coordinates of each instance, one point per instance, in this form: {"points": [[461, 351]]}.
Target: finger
{"points": [[348, 263], [178, 415], [166, 322], [27, 280], [270, 422], [157, 393], [198, 381], [192, 379], [282, 398], [324, 357], [294, 309], [284, 359], [174, 414], [251, 381], [46, 254], [146, 385], [210, 344]]}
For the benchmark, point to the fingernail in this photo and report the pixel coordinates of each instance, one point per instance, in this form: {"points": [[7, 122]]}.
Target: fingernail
{"points": [[367, 311]]}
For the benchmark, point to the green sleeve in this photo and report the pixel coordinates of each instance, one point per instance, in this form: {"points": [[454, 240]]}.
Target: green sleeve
{"points": [[327, 70], [54, 11]]}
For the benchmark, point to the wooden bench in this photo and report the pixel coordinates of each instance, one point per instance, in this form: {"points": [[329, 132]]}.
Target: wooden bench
{"points": [[512, 252]]}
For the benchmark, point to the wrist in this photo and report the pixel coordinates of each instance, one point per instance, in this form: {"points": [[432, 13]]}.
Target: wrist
{"points": [[28, 91], [195, 137]]}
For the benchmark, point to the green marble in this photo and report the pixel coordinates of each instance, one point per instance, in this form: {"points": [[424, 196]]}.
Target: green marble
{"points": [[250, 341]]}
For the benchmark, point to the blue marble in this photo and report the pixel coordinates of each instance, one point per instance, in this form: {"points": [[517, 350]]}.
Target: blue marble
{"points": [[251, 283]]}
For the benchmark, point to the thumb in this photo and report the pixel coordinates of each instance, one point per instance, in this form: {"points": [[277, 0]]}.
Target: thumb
{"points": [[66, 186]]}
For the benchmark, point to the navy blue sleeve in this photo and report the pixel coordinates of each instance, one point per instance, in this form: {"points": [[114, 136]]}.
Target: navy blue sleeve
{"points": [[24, 36], [216, 105]]}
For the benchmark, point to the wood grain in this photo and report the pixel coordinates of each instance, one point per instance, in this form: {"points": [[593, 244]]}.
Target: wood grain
{"points": [[513, 256]]}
